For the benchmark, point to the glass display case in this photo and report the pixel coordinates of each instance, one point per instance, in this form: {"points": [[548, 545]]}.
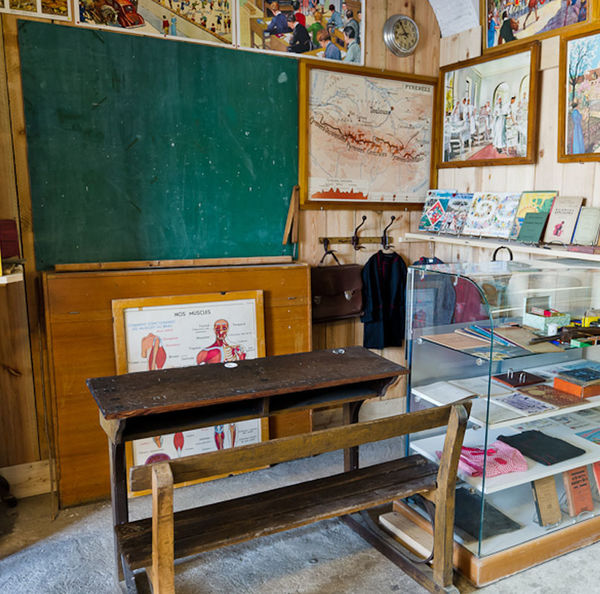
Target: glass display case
{"points": [[521, 340]]}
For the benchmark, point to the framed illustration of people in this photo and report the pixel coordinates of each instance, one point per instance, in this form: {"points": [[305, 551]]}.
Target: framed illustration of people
{"points": [[488, 109]]}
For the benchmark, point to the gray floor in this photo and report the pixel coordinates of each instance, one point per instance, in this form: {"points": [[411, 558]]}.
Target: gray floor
{"points": [[73, 554]]}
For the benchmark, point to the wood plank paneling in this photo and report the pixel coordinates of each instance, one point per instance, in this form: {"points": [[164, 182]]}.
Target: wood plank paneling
{"points": [[79, 317]]}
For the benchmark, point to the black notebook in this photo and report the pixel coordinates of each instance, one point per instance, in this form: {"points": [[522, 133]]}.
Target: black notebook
{"points": [[541, 447]]}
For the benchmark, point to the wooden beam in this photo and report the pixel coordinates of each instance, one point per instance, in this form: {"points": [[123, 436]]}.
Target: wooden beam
{"points": [[27, 480]]}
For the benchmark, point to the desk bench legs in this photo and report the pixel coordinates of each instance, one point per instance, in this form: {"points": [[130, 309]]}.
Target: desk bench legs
{"points": [[350, 416], [118, 492]]}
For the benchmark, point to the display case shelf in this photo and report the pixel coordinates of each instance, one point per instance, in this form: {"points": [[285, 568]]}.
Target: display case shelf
{"points": [[476, 438]]}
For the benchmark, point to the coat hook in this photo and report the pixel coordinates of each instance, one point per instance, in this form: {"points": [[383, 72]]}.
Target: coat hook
{"points": [[385, 242], [355, 239], [328, 252]]}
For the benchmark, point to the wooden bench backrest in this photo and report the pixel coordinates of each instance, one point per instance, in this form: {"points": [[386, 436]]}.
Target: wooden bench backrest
{"points": [[275, 451]]}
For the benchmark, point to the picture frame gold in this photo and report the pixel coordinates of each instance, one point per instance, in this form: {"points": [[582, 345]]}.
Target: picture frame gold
{"points": [[194, 307], [519, 14], [472, 70], [567, 93], [426, 85]]}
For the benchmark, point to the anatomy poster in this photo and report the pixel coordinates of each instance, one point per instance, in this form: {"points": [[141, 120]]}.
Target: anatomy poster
{"points": [[167, 332]]}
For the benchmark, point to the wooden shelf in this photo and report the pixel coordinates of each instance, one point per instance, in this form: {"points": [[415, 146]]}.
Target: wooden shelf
{"points": [[553, 252], [17, 277]]}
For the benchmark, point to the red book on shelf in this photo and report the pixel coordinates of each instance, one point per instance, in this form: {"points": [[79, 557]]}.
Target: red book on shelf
{"points": [[579, 390], [596, 470], [578, 490]]}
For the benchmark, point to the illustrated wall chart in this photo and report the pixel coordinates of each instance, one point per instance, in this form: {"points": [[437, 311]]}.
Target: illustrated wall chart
{"points": [[369, 137], [185, 331], [507, 21], [193, 20], [45, 9]]}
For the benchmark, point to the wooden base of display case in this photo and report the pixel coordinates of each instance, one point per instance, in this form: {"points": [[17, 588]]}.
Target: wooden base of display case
{"points": [[485, 570]]}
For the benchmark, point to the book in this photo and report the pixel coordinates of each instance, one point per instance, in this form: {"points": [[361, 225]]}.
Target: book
{"points": [[434, 209], [532, 227], [456, 341], [456, 214], [596, 472], [522, 337], [491, 413], [545, 497], [577, 389], [581, 375], [504, 217], [588, 224], [515, 379], [551, 395], [524, 404], [532, 202], [491, 214], [592, 435], [562, 219], [578, 490]]}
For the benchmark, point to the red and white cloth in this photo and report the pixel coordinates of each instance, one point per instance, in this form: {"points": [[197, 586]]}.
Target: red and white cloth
{"points": [[501, 459]]}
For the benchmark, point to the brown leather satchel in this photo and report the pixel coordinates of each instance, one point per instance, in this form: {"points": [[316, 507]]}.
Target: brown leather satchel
{"points": [[336, 292]]}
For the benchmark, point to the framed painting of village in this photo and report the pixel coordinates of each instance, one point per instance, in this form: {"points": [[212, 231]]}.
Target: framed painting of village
{"points": [[579, 98], [488, 109], [510, 22], [369, 137], [154, 333]]}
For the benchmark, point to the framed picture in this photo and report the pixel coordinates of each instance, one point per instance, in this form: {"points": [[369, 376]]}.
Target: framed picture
{"points": [[488, 109], [177, 331], [506, 22], [192, 20], [579, 98], [59, 10], [369, 137], [304, 28]]}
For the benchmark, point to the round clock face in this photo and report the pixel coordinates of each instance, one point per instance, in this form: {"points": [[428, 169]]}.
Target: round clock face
{"points": [[401, 35]]}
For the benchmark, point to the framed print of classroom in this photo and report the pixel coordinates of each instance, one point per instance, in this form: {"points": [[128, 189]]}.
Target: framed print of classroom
{"points": [[488, 107], [155, 333], [368, 140], [579, 98], [512, 21]]}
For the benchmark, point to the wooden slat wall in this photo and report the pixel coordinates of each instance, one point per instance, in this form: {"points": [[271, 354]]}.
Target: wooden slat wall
{"points": [[547, 174], [315, 224]]}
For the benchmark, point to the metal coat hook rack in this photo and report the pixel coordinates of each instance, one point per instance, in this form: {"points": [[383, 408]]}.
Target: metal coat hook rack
{"points": [[357, 242]]}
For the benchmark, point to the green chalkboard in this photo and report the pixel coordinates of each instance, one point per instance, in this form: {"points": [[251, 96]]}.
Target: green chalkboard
{"points": [[147, 149]]}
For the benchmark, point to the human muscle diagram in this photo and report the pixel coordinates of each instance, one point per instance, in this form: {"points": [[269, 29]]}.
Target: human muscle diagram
{"points": [[162, 337]]}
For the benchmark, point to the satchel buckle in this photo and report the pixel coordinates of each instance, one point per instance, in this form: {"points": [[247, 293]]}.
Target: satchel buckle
{"points": [[348, 295], [317, 299]]}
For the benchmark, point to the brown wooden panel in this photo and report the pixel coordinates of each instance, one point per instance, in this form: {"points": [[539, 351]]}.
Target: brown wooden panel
{"points": [[18, 422], [80, 345]]}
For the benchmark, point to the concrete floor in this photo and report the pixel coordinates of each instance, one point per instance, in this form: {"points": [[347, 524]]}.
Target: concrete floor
{"points": [[73, 553]]}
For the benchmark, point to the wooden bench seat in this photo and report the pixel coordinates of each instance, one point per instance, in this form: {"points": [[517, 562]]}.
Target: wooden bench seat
{"points": [[229, 522], [154, 543]]}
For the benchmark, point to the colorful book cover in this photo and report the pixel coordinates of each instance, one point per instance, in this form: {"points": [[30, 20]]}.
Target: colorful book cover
{"points": [[551, 395], [504, 217], [581, 375], [592, 435], [480, 220], [532, 227], [596, 471], [532, 202], [434, 209], [578, 490], [456, 214], [562, 220], [588, 223]]}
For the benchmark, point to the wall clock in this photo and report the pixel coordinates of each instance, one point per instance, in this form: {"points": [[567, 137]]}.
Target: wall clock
{"points": [[401, 35]]}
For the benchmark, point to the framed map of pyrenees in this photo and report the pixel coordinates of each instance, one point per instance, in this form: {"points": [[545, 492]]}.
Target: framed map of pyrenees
{"points": [[369, 137]]}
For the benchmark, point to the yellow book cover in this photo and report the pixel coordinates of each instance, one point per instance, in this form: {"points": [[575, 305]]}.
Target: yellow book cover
{"points": [[532, 202]]}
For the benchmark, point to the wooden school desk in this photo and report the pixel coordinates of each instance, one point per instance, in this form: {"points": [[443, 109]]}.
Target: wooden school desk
{"points": [[150, 403]]}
